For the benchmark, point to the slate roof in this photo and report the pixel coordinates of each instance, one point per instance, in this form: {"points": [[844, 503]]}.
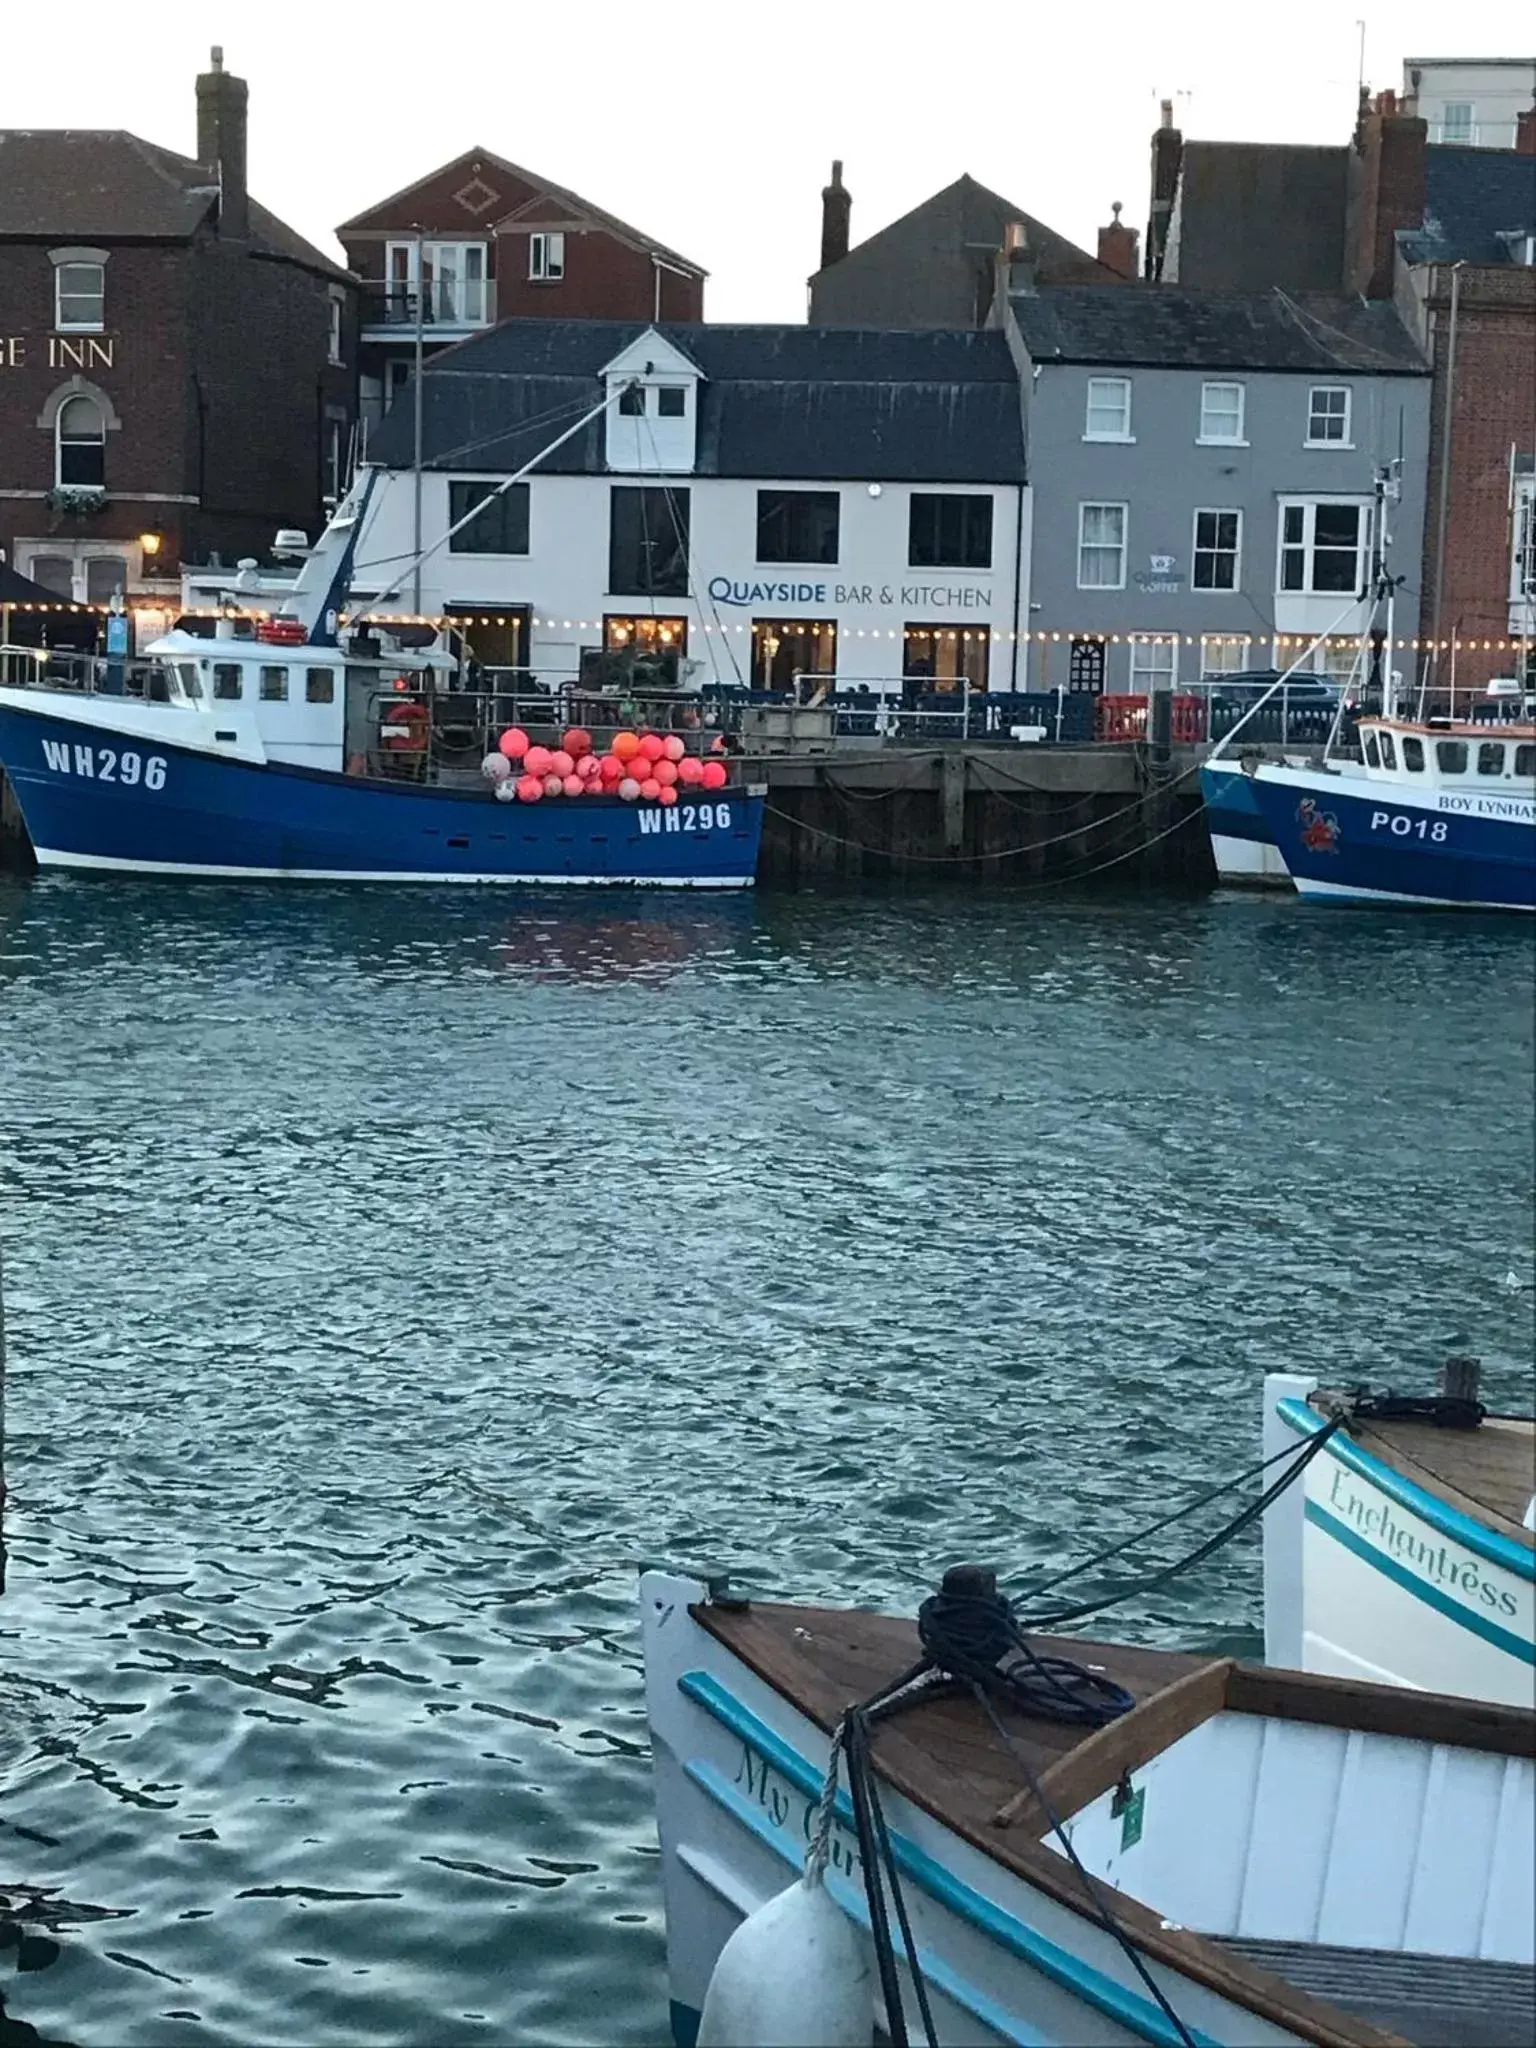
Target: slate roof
{"points": [[87, 185], [923, 406], [1252, 214], [381, 215], [1160, 327], [1472, 198]]}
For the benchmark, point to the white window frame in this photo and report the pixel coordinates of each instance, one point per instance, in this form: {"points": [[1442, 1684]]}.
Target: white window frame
{"points": [[1462, 137], [1195, 551], [1103, 505], [546, 256], [1206, 439], [1120, 388], [1154, 663], [1309, 508], [78, 259], [337, 317], [78, 440], [1210, 668], [1316, 440], [405, 275]]}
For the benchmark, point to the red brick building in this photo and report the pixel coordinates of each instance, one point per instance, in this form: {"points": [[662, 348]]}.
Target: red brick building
{"points": [[1449, 232], [177, 367], [480, 241]]}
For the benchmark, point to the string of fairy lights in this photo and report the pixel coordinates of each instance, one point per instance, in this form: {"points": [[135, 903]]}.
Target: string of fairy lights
{"points": [[711, 629]]}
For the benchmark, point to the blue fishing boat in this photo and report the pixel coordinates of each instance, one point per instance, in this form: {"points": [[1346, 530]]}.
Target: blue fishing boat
{"points": [[314, 748], [1434, 813]]}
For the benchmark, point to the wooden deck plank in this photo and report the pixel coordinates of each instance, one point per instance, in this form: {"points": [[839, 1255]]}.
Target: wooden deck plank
{"points": [[1488, 1473]]}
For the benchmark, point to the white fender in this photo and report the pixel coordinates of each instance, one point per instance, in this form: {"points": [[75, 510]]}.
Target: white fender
{"points": [[794, 1971]]}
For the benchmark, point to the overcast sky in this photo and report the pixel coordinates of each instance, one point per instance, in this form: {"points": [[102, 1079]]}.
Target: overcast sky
{"points": [[711, 125]]}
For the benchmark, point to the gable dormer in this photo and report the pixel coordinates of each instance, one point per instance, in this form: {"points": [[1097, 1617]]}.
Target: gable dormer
{"points": [[651, 427]]}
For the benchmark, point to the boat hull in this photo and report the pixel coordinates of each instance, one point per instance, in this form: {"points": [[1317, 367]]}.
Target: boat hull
{"points": [[1376, 844], [1368, 1576], [95, 798], [1242, 845]]}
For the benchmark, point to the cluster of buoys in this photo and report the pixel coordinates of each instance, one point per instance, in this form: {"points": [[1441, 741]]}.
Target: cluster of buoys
{"points": [[637, 767]]}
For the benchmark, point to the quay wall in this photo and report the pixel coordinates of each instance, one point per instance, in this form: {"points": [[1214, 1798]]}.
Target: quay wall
{"points": [[997, 815]]}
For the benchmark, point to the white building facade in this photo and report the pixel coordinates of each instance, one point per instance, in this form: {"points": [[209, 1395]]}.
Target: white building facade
{"points": [[1474, 101], [749, 505]]}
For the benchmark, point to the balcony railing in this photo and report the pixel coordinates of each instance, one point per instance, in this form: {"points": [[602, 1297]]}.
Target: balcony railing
{"points": [[455, 302]]}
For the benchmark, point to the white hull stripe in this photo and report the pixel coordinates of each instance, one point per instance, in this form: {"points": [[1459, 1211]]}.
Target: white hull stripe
{"points": [[105, 864], [1343, 894]]}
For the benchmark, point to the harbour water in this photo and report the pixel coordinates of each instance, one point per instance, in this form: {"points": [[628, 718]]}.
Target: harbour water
{"points": [[387, 1274]]}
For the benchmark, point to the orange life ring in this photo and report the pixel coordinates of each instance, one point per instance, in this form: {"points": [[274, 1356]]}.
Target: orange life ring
{"points": [[405, 728]]}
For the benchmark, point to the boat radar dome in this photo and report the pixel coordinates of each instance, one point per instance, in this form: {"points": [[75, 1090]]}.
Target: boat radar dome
{"points": [[290, 540]]}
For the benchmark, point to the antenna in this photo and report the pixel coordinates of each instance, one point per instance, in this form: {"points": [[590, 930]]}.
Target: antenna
{"points": [[1360, 83]]}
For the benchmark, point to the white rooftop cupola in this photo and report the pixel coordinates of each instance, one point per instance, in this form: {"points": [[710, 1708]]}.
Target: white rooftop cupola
{"points": [[651, 426]]}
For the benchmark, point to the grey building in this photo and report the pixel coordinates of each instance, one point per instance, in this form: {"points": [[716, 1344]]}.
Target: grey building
{"points": [[936, 265], [1202, 468]]}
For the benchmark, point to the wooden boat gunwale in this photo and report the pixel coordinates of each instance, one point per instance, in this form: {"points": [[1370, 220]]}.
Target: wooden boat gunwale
{"points": [[777, 1651]]}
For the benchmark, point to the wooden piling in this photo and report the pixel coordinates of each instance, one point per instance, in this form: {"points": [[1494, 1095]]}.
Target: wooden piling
{"points": [[1459, 1378]]}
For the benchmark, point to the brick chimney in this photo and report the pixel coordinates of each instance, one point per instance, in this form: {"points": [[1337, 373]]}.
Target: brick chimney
{"points": [[1525, 132], [836, 209], [1118, 246], [221, 104], [1388, 168], [1167, 159]]}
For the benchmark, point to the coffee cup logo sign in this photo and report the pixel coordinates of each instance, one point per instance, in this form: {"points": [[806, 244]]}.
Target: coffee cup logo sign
{"points": [[63, 352]]}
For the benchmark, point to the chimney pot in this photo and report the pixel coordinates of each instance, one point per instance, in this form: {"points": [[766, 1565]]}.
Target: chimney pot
{"points": [[216, 56], [836, 213], [1167, 114]]}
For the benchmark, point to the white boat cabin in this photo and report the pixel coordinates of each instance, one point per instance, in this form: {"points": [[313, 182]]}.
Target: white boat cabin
{"points": [[1441, 755]]}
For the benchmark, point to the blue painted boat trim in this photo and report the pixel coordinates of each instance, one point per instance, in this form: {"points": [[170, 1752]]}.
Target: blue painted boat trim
{"points": [[1432, 1596], [1487, 1543], [1145, 2020], [852, 1902]]}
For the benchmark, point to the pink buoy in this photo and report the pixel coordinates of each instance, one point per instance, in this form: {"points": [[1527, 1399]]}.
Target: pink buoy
{"points": [[666, 794], [665, 773], [588, 767], [611, 768], [714, 775], [496, 767], [594, 785], [629, 789], [690, 770], [572, 784], [653, 746], [673, 748], [513, 743], [650, 789], [537, 760], [529, 789], [561, 763], [554, 785], [577, 741]]}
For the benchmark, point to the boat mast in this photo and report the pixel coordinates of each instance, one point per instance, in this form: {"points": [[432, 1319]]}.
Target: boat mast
{"points": [[1383, 586]]}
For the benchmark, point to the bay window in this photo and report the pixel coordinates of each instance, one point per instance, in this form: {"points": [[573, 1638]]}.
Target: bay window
{"points": [[1324, 546]]}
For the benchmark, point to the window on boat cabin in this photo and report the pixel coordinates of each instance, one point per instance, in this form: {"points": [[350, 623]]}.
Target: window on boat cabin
{"points": [[319, 686], [500, 527], [274, 686], [648, 540], [79, 293], [1154, 664], [1451, 756], [81, 437], [106, 577], [1328, 416], [783, 649], [1413, 754], [1490, 758], [227, 685], [1525, 759], [949, 531], [1323, 546], [1221, 413], [671, 401], [632, 401], [1218, 546], [1109, 409], [1372, 751], [1101, 547], [1222, 657], [797, 526], [1388, 751], [191, 681], [945, 657], [546, 257]]}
